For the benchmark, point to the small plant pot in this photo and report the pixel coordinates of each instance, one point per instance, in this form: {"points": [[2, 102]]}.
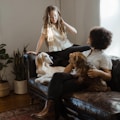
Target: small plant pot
{"points": [[4, 88], [20, 87]]}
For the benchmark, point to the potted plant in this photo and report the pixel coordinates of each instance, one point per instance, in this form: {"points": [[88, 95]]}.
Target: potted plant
{"points": [[20, 82], [5, 59]]}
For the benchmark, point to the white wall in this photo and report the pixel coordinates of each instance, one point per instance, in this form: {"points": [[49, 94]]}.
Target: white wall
{"points": [[20, 24], [83, 14], [21, 21]]}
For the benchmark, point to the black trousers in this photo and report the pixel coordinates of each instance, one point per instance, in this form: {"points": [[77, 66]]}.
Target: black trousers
{"points": [[60, 85], [60, 58]]}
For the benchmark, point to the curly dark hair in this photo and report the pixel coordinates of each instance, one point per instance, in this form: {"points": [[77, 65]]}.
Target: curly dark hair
{"points": [[100, 38]]}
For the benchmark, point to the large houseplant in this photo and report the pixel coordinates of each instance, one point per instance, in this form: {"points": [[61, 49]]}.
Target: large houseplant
{"points": [[5, 59], [20, 82]]}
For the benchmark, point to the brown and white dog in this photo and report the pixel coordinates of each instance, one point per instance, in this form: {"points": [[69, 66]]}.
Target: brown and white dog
{"points": [[43, 69], [80, 63]]}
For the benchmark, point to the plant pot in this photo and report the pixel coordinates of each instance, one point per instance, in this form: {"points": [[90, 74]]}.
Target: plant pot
{"points": [[20, 87], [4, 88]]}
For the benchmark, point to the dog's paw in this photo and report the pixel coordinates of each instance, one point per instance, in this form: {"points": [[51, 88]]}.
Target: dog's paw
{"points": [[37, 80], [42, 81]]}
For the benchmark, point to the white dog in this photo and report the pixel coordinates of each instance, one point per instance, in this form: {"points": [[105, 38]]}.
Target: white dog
{"points": [[44, 70]]}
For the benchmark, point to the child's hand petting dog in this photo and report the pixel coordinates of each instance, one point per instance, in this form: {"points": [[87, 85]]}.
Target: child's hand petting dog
{"points": [[93, 73]]}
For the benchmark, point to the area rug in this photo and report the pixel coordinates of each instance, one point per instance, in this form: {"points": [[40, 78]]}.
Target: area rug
{"points": [[21, 113]]}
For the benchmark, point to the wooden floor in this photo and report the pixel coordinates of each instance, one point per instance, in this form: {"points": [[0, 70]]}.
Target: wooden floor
{"points": [[14, 101]]}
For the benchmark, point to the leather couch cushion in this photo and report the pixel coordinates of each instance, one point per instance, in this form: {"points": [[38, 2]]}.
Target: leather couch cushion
{"points": [[38, 87], [97, 104]]}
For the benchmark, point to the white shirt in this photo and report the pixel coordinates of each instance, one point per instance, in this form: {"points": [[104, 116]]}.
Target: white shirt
{"points": [[55, 40], [99, 59]]}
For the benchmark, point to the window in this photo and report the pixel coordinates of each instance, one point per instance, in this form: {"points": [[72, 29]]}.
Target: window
{"points": [[109, 18]]}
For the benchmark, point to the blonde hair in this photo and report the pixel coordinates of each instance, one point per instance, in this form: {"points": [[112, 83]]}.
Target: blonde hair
{"points": [[46, 18]]}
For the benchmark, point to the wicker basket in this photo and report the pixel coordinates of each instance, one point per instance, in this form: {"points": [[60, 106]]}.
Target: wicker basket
{"points": [[4, 89]]}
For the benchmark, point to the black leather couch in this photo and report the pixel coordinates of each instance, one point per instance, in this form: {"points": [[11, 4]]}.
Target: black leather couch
{"points": [[82, 105]]}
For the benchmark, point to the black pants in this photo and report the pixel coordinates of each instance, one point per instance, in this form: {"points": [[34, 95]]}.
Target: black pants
{"points": [[60, 85], [60, 58]]}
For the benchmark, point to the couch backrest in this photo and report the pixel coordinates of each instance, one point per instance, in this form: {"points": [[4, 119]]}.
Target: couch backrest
{"points": [[32, 66], [29, 60], [115, 81]]}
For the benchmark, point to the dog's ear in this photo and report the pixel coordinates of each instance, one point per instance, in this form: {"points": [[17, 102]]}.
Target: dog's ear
{"points": [[73, 57], [80, 59], [77, 60], [39, 60], [70, 57], [83, 57]]}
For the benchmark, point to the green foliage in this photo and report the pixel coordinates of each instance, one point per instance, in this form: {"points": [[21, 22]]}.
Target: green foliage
{"points": [[18, 64], [5, 59]]}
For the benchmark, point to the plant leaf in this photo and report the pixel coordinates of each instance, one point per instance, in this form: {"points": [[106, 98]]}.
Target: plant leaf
{"points": [[2, 46]]}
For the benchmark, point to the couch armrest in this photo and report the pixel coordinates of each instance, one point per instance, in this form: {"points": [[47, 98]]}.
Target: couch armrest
{"points": [[114, 83], [29, 60]]}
